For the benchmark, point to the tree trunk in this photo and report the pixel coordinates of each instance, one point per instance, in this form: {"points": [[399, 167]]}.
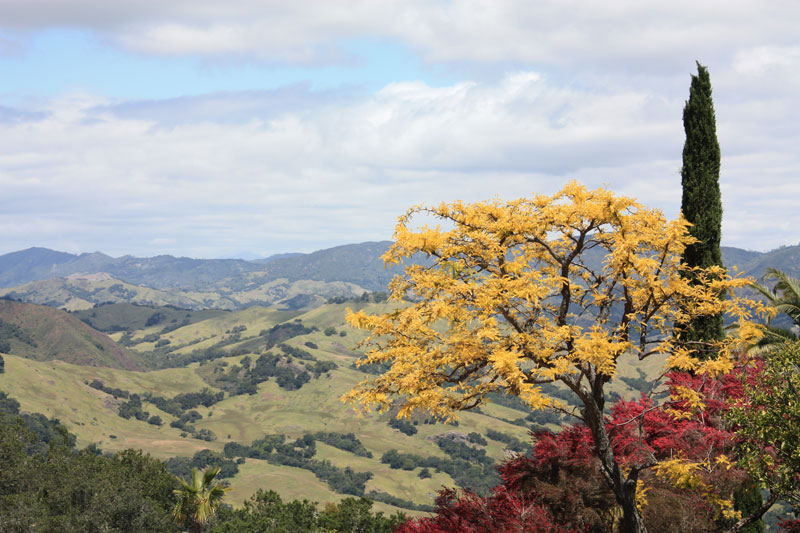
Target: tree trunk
{"points": [[632, 521], [624, 489]]}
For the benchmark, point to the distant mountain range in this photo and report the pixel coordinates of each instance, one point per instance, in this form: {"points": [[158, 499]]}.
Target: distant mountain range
{"points": [[353, 263], [159, 272], [72, 281]]}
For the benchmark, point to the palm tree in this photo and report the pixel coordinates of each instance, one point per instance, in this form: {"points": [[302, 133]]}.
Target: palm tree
{"points": [[784, 296], [199, 500]]}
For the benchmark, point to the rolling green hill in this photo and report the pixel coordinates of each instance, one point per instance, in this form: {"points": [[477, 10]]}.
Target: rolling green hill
{"points": [[89, 400], [59, 390], [130, 317], [84, 291], [65, 391], [44, 333]]}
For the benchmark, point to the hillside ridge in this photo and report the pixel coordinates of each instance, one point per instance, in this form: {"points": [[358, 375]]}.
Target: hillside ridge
{"points": [[68, 281], [44, 333], [355, 263]]}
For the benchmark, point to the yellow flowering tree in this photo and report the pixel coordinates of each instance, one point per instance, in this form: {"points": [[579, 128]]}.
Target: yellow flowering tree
{"points": [[541, 290]]}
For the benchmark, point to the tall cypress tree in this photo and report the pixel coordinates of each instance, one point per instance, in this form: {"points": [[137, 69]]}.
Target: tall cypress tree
{"points": [[701, 202]]}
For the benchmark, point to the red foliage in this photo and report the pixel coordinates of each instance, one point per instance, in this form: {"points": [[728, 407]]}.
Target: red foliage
{"points": [[789, 525], [502, 512], [641, 431], [561, 488], [564, 476]]}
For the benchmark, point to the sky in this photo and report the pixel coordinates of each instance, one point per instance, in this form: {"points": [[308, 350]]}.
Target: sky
{"points": [[247, 128]]}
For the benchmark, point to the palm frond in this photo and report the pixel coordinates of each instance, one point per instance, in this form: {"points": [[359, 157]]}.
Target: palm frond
{"points": [[774, 337], [788, 286], [764, 290], [790, 308], [198, 480]]}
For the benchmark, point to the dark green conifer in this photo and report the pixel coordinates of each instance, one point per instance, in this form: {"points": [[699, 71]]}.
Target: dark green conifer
{"points": [[747, 499], [701, 203]]}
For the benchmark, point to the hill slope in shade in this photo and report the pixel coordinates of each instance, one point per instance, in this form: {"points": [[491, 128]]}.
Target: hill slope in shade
{"points": [[44, 333], [355, 263], [755, 264], [115, 317], [359, 264], [41, 263]]}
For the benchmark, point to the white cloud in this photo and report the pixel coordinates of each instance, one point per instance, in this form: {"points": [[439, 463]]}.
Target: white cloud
{"points": [[610, 36], [767, 60], [322, 173], [176, 39], [554, 90]]}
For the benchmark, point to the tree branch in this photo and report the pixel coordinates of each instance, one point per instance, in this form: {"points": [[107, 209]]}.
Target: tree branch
{"points": [[773, 497]]}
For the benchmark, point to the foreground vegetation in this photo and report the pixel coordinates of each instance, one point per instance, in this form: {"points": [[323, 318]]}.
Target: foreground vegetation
{"points": [[249, 386], [48, 485], [318, 450], [517, 297]]}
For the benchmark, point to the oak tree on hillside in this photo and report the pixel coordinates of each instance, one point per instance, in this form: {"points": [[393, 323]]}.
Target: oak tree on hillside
{"points": [[542, 290]]}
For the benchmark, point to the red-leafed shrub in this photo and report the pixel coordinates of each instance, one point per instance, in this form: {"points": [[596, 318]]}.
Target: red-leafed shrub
{"points": [[561, 486], [789, 525], [502, 512], [559, 489]]}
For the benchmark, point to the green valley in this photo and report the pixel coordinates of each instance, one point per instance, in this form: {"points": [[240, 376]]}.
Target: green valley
{"points": [[306, 363], [246, 373]]}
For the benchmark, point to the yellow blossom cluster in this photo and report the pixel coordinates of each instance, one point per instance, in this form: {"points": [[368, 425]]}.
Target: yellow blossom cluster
{"points": [[535, 290]]}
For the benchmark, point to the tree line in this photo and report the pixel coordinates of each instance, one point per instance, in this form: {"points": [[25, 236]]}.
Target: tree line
{"points": [[46, 484]]}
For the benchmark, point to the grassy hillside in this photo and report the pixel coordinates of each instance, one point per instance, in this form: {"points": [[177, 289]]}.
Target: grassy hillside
{"points": [[43, 333], [293, 282], [59, 390], [62, 390], [83, 291], [261, 289], [132, 317], [65, 391]]}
